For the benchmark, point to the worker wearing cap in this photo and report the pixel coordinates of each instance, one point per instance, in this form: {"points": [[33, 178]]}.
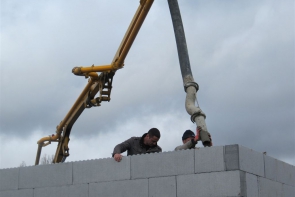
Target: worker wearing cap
{"points": [[189, 139]]}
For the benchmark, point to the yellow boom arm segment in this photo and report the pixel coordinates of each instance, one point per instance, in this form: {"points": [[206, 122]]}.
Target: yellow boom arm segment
{"points": [[101, 83]]}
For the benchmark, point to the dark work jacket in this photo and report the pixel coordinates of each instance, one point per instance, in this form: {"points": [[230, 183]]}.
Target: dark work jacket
{"points": [[188, 145], [136, 146]]}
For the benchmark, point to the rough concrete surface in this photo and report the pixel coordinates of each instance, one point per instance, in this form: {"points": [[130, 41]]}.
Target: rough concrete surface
{"points": [[286, 173], [209, 184], [251, 161], [231, 157], [162, 164], [45, 175], [269, 188], [209, 159], [101, 170], [127, 188], [17, 193], [288, 190], [251, 185], [162, 187], [271, 168], [80, 190], [9, 179], [223, 171]]}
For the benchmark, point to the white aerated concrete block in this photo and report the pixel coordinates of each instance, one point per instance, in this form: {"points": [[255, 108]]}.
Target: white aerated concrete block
{"points": [[162, 187], [9, 179], [241, 158], [162, 164], [269, 188], [209, 159], [17, 193], [251, 161], [286, 173], [101, 170], [127, 188], [279, 171], [51, 192], [251, 185], [81, 190], [209, 184], [45, 175], [229, 171], [288, 191], [231, 157], [271, 168], [64, 191]]}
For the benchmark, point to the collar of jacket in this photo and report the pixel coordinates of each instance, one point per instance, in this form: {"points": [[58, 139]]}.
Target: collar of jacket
{"points": [[141, 140]]}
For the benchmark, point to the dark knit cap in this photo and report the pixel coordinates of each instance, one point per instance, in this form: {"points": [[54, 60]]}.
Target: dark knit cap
{"points": [[187, 134]]}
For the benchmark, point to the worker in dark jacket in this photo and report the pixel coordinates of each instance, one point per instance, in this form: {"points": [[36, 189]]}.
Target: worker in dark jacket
{"points": [[189, 139], [139, 145]]}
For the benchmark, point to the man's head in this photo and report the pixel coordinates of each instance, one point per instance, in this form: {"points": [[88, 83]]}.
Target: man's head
{"points": [[152, 137], [187, 136]]}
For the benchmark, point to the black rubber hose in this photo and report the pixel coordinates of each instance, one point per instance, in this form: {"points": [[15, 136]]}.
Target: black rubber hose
{"points": [[180, 39]]}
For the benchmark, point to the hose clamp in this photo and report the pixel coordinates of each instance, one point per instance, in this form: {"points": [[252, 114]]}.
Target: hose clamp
{"points": [[194, 84], [200, 113]]}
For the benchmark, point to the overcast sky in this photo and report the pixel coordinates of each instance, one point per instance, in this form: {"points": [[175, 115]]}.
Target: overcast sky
{"points": [[241, 54]]}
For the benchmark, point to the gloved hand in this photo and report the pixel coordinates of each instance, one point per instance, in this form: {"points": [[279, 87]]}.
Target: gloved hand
{"points": [[211, 144], [199, 129], [197, 138]]}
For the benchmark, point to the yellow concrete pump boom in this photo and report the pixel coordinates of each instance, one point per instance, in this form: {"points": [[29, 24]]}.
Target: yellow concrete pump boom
{"points": [[101, 83]]}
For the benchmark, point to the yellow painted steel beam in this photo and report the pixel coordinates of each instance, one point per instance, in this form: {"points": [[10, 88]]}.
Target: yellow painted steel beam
{"points": [[69, 114], [62, 126], [82, 70], [131, 33], [78, 101], [95, 83], [59, 129]]}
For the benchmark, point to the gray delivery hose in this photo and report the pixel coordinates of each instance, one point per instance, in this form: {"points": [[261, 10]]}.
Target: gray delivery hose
{"points": [[190, 86]]}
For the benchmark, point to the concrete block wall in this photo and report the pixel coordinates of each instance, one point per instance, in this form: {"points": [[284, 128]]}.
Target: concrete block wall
{"points": [[220, 171]]}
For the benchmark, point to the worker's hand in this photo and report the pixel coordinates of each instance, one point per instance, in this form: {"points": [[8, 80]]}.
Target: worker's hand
{"points": [[197, 138], [211, 144], [118, 157]]}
